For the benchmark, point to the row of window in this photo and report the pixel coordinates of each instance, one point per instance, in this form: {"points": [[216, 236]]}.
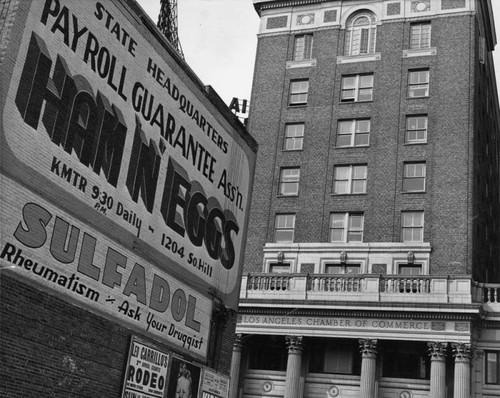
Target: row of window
{"points": [[360, 38], [348, 227], [351, 179], [356, 132], [359, 88]]}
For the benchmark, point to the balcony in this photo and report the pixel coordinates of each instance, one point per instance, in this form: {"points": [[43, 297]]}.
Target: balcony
{"points": [[371, 288]]}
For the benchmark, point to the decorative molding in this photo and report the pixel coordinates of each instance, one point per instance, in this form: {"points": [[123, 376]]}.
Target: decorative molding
{"points": [[238, 342], [437, 350], [349, 59], [462, 326], [301, 64], [305, 19], [294, 344], [368, 347], [267, 386], [333, 391], [419, 52], [461, 352]]}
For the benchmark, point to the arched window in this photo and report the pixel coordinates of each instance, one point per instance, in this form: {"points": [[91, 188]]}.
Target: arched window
{"points": [[361, 32]]}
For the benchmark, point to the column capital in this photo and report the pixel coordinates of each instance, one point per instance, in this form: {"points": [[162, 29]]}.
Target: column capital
{"points": [[462, 352], [294, 344], [437, 350], [238, 342], [368, 347]]}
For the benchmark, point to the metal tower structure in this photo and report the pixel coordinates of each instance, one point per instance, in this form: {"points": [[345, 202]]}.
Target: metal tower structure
{"points": [[167, 23]]}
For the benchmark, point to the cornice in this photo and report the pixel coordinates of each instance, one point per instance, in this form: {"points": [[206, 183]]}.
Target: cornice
{"points": [[284, 3]]}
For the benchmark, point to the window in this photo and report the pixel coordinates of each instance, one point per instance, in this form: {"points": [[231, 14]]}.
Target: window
{"points": [[284, 227], [289, 181], [410, 269], [420, 35], [353, 133], [414, 177], [406, 360], [357, 88], [267, 352], [416, 129], [349, 180], [342, 269], [412, 226], [334, 356], [418, 83], [492, 366], [346, 227], [279, 268], [294, 136], [360, 34], [302, 47], [298, 92]]}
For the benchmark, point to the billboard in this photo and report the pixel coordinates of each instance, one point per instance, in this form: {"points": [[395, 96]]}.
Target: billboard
{"points": [[111, 147]]}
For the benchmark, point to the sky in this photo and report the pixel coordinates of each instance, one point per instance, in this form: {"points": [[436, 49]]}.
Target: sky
{"points": [[219, 39]]}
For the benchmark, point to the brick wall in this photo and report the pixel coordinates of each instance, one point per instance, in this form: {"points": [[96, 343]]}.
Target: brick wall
{"points": [[446, 201]]}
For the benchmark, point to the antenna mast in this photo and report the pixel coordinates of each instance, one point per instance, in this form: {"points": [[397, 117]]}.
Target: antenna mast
{"points": [[167, 23]]}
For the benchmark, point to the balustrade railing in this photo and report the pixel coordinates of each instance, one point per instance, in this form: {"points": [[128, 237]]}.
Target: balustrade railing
{"points": [[269, 282], [406, 285], [321, 283]]}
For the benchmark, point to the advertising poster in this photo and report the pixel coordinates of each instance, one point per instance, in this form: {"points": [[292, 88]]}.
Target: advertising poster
{"points": [[146, 373], [214, 385], [99, 119], [184, 379]]}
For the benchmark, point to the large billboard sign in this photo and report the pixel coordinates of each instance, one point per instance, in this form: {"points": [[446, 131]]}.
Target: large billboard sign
{"points": [[104, 131]]}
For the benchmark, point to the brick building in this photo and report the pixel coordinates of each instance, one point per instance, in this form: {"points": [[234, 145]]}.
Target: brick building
{"points": [[122, 215], [372, 266]]}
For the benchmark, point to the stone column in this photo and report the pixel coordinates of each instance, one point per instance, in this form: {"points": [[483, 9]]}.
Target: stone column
{"points": [[437, 352], [293, 367], [235, 367], [462, 355], [368, 350]]}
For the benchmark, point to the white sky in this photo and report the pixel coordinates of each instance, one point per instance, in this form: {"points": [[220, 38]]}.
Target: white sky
{"points": [[219, 39]]}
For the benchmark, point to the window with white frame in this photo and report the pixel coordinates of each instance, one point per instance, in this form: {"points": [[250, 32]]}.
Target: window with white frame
{"points": [[346, 227], [412, 226], [294, 136], [357, 88], [279, 268], [355, 132], [284, 228], [418, 83], [302, 48], [414, 177], [416, 129], [299, 90], [420, 35], [361, 33], [349, 179], [342, 269], [410, 269], [289, 181], [492, 367]]}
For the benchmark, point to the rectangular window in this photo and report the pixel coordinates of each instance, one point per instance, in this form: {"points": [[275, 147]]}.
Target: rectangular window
{"points": [[416, 129], [349, 179], [279, 268], [420, 35], [354, 132], [418, 83], [342, 269], [410, 269], [357, 88], [298, 92], [412, 226], [289, 181], [414, 177], [284, 227], [302, 47], [492, 367], [346, 227], [294, 136]]}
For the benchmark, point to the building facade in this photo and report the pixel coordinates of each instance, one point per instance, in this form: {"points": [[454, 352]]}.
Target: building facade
{"points": [[372, 261]]}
